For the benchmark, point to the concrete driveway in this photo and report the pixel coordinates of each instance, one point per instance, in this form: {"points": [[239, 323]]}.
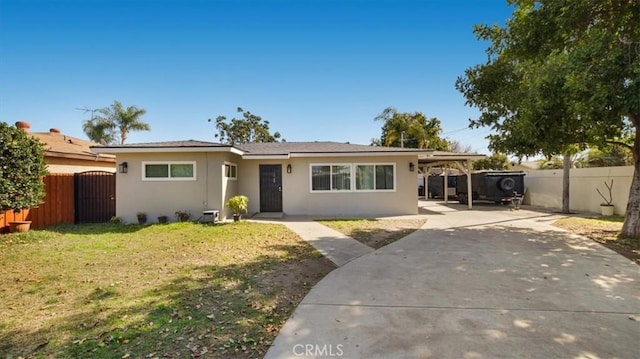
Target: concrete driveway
{"points": [[486, 283]]}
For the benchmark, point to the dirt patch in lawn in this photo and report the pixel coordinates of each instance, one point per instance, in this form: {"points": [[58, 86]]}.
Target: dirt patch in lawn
{"points": [[375, 233], [604, 231]]}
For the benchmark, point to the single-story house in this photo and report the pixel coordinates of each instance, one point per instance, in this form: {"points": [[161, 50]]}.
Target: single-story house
{"points": [[326, 179], [66, 154]]}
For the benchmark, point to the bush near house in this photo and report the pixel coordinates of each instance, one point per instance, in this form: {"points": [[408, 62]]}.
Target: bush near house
{"points": [[22, 169]]}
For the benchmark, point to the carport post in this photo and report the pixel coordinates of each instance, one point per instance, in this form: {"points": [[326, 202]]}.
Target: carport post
{"points": [[446, 185], [469, 194]]}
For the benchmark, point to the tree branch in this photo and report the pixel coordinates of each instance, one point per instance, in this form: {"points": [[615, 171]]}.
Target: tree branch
{"points": [[620, 143]]}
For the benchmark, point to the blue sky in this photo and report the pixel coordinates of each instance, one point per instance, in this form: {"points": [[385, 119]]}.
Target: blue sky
{"points": [[317, 70]]}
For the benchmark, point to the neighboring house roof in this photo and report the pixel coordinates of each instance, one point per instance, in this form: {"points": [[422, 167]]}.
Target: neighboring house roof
{"points": [[62, 146]]}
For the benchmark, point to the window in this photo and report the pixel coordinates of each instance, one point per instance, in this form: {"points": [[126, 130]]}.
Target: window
{"points": [[341, 178], [331, 177], [231, 170], [375, 177], [384, 177], [320, 178], [365, 177], [169, 171]]}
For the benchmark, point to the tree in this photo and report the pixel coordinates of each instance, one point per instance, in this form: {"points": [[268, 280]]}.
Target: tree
{"points": [[496, 161], [22, 169], [100, 131], [115, 122], [561, 76], [456, 146], [413, 130], [610, 155], [247, 129]]}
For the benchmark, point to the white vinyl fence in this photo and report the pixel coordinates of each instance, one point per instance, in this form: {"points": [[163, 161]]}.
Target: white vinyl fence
{"points": [[544, 188]]}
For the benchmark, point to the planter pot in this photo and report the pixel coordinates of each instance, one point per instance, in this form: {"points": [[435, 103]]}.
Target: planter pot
{"points": [[162, 219], [142, 219], [19, 226], [236, 217], [606, 210]]}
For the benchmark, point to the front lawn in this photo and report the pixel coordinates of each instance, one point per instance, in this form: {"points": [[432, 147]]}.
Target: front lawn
{"points": [[603, 230], [375, 233], [177, 290]]}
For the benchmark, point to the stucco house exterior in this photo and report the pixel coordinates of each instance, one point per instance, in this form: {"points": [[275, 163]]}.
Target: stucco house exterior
{"points": [[327, 179]]}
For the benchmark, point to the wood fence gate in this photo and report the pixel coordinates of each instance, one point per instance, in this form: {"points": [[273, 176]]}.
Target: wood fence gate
{"points": [[95, 196]]}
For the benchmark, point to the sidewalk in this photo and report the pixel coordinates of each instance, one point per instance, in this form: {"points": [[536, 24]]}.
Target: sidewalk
{"points": [[337, 247]]}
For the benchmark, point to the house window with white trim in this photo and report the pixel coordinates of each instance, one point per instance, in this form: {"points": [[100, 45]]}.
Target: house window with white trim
{"points": [[331, 177], [341, 177], [375, 177], [230, 170], [169, 171]]}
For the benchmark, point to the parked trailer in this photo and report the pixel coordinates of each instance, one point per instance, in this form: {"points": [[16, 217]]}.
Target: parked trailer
{"points": [[436, 186], [494, 186]]}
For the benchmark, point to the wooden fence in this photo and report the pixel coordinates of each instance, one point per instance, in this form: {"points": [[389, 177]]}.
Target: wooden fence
{"points": [[58, 206]]}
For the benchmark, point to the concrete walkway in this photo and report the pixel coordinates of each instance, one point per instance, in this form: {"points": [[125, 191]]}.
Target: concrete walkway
{"points": [[486, 283], [337, 247]]}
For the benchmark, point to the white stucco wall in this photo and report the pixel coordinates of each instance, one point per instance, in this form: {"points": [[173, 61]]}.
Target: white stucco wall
{"points": [[163, 198], [297, 198], [544, 188]]}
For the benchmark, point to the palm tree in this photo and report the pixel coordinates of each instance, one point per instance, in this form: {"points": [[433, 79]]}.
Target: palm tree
{"points": [[413, 130], [99, 131], [124, 119]]}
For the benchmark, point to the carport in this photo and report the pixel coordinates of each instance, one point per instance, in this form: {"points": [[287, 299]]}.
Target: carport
{"points": [[461, 160]]}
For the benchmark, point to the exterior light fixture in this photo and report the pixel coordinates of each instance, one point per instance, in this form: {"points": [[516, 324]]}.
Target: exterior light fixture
{"points": [[289, 168], [123, 167], [412, 167]]}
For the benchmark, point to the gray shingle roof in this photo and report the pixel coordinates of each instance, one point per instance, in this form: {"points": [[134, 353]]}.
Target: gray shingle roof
{"points": [[284, 148], [168, 144]]}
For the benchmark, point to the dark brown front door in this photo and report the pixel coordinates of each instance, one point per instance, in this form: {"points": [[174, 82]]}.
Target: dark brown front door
{"points": [[270, 188]]}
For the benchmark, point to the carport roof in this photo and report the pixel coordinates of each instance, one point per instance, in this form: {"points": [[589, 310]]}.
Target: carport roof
{"points": [[437, 158]]}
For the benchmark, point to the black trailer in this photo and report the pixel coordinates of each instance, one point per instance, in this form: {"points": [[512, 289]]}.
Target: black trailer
{"points": [[494, 186], [435, 186]]}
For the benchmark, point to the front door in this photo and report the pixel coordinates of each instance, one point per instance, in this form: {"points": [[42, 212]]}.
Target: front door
{"points": [[270, 188]]}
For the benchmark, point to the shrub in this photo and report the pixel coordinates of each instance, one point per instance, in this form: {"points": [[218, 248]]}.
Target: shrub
{"points": [[238, 204], [183, 216], [22, 169]]}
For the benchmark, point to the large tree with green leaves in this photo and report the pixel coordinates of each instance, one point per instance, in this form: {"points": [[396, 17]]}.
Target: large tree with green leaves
{"points": [[114, 123], [22, 169], [413, 130], [496, 161], [246, 129], [561, 76]]}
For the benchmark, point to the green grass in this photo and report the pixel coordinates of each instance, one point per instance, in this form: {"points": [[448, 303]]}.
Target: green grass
{"points": [[176, 290], [374, 232]]}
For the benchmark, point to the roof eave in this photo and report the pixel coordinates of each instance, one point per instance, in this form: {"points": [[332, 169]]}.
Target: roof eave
{"points": [[356, 154]]}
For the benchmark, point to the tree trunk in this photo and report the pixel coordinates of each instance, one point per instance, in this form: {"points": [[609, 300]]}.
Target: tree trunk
{"points": [[631, 226], [566, 168]]}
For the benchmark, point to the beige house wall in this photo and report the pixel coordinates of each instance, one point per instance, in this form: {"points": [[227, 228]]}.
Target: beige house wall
{"points": [[297, 198], [163, 198], [544, 188], [69, 165]]}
